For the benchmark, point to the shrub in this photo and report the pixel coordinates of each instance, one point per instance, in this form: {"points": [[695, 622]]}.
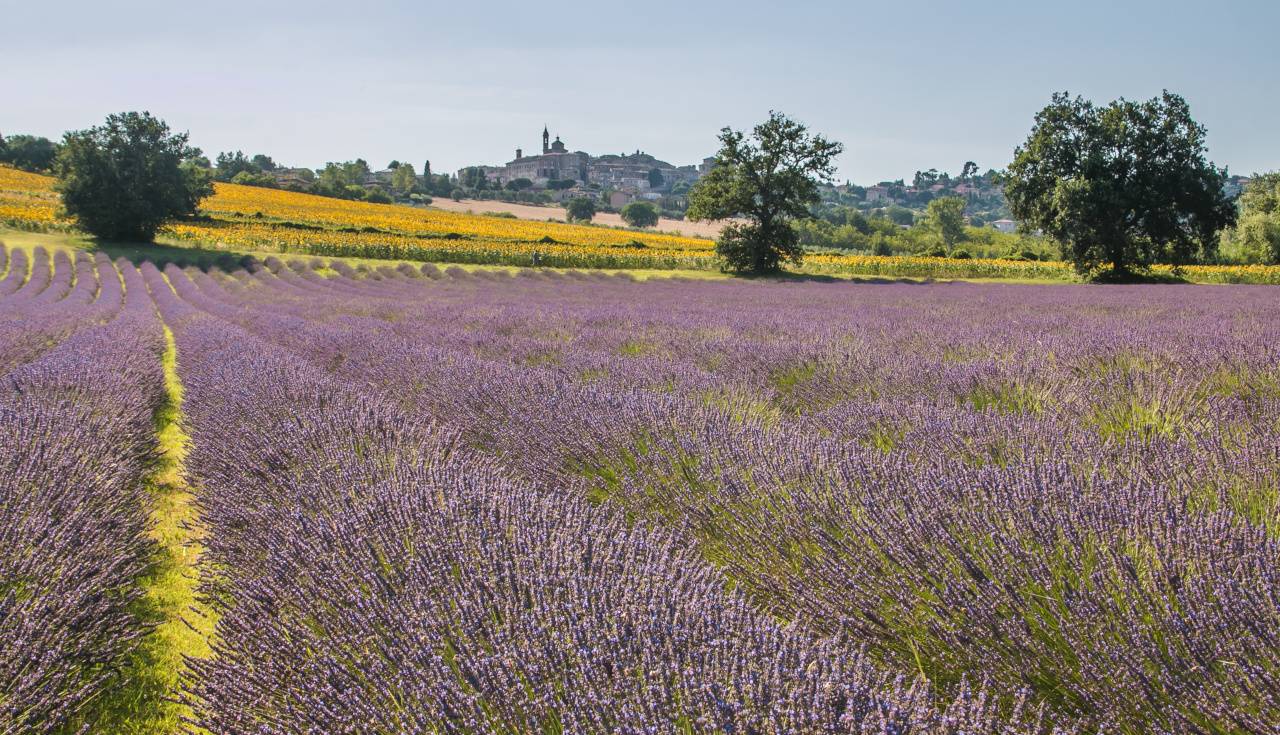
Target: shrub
{"points": [[580, 210], [640, 214], [880, 245]]}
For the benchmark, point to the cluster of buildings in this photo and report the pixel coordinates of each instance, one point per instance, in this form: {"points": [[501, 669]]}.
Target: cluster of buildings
{"points": [[975, 190], [619, 178], [888, 193]]}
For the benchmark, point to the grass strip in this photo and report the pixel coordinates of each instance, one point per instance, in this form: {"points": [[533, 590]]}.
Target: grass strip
{"points": [[147, 701]]}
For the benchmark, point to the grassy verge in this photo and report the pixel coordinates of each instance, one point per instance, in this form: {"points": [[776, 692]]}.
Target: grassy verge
{"points": [[145, 704]]}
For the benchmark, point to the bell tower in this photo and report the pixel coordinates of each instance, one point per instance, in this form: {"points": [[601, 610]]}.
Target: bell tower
{"points": [[546, 140]]}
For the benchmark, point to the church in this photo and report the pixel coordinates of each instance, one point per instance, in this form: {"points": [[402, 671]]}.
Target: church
{"points": [[556, 162]]}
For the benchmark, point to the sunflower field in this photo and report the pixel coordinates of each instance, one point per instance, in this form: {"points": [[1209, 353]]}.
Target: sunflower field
{"points": [[246, 218]]}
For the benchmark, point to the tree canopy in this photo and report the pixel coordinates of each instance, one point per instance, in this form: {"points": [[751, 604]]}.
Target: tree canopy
{"points": [[640, 214], [580, 210], [264, 162], [122, 180], [231, 165], [1257, 236], [249, 178], [769, 180], [1122, 186], [28, 152], [403, 178], [473, 177], [946, 217], [900, 215], [343, 179]]}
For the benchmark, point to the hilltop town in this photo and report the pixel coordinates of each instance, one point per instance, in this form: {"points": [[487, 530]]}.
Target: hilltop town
{"points": [[614, 180], [559, 174]]}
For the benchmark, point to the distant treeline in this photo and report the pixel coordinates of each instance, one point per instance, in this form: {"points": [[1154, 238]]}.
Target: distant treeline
{"points": [[28, 152], [941, 232], [343, 180]]}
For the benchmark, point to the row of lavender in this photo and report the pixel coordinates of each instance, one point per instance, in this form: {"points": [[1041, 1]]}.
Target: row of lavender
{"points": [[79, 379], [1072, 494], [373, 575], [1067, 491], [55, 299]]}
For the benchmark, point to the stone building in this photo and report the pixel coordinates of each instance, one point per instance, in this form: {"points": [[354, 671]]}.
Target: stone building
{"points": [[556, 162], [623, 171]]}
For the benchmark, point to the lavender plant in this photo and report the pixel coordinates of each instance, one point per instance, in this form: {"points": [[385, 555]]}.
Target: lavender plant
{"points": [[75, 440], [1043, 497], [466, 501]]}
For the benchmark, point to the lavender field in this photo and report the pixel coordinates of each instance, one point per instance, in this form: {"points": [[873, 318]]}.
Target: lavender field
{"points": [[475, 502]]}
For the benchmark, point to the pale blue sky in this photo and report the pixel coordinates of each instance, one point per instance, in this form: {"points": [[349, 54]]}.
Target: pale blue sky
{"points": [[904, 86]]}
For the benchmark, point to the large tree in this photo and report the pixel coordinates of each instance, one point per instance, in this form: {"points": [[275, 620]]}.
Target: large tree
{"points": [[125, 178], [769, 180], [1120, 187]]}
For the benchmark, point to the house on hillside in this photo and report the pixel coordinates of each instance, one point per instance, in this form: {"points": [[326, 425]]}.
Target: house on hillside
{"points": [[293, 179], [878, 194], [378, 180], [1005, 225]]}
